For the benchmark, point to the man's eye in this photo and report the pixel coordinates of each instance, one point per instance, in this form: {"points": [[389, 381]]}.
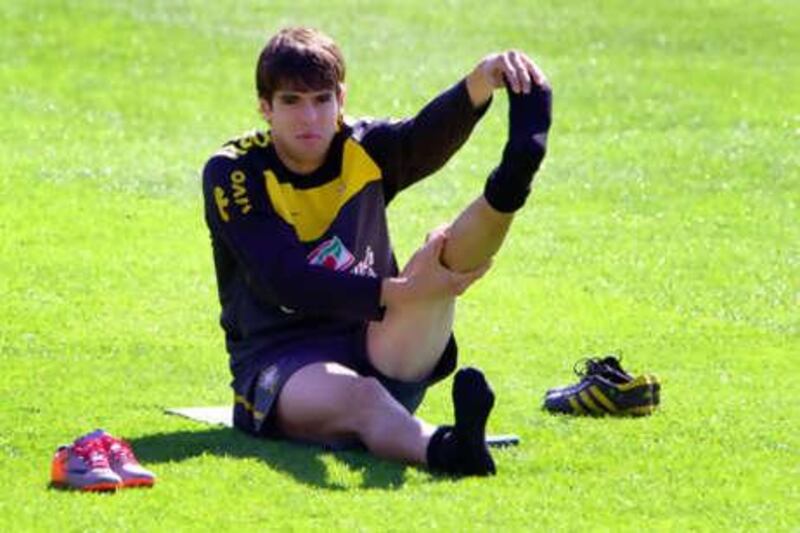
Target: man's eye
{"points": [[323, 98], [289, 100]]}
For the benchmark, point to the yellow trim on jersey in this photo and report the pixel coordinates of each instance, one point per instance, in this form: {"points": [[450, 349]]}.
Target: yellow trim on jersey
{"points": [[312, 211], [238, 398], [241, 145], [258, 415]]}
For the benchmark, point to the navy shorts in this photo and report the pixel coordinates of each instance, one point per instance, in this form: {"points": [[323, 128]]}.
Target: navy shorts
{"points": [[254, 412]]}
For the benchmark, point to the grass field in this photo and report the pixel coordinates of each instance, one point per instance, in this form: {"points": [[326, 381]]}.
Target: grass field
{"points": [[664, 224]]}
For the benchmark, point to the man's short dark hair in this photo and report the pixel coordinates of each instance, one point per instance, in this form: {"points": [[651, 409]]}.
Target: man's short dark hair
{"points": [[300, 59]]}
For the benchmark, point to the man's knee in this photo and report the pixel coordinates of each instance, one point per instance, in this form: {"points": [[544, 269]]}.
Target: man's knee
{"points": [[408, 344], [349, 410], [315, 402]]}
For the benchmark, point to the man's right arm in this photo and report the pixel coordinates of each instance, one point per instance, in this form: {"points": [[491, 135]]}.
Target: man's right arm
{"points": [[425, 278], [274, 261]]}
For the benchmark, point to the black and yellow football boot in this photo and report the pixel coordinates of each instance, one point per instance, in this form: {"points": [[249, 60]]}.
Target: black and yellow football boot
{"points": [[605, 389]]}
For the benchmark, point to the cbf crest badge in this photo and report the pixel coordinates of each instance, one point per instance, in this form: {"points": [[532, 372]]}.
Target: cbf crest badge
{"points": [[332, 254]]}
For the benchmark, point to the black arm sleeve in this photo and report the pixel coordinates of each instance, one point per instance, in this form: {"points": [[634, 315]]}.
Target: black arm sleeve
{"points": [[272, 258], [411, 149]]}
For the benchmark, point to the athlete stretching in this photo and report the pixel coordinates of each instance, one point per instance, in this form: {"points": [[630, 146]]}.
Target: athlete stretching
{"points": [[328, 342]]}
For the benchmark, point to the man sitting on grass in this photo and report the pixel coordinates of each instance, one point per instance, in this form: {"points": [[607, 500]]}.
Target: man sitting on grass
{"points": [[328, 341]]}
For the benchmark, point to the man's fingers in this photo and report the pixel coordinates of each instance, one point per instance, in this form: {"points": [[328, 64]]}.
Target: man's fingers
{"points": [[462, 281], [510, 73], [462, 284], [479, 272], [536, 73], [433, 248], [442, 229], [483, 269], [520, 72], [521, 69]]}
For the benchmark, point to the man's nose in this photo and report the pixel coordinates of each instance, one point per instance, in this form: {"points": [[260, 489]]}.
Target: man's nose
{"points": [[308, 111]]}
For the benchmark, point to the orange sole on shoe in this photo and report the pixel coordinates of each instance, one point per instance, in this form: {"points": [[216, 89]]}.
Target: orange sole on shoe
{"points": [[97, 487], [140, 483]]}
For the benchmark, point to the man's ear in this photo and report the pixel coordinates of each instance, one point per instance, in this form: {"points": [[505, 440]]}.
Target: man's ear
{"points": [[341, 95], [265, 108]]}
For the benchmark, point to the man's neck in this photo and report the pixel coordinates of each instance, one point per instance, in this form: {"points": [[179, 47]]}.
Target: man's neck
{"points": [[298, 167]]}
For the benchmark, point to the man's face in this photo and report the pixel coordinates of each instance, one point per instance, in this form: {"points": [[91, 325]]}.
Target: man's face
{"points": [[303, 124]]}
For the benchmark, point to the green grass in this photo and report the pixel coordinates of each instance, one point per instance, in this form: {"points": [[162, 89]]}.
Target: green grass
{"points": [[664, 224]]}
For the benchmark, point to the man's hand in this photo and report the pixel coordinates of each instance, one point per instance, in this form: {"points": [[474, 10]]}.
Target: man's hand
{"points": [[492, 71], [425, 278]]}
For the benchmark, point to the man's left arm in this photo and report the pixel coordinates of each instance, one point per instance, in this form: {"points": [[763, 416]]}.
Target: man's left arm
{"points": [[411, 149]]}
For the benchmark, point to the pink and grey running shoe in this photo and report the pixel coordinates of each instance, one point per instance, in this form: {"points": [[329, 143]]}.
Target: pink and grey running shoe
{"points": [[124, 463], [84, 465]]}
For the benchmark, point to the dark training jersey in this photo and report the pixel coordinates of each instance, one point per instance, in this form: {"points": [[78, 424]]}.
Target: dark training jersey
{"points": [[299, 256]]}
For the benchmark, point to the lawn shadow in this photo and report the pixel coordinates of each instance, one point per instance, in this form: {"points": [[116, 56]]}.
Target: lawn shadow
{"points": [[301, 461]]}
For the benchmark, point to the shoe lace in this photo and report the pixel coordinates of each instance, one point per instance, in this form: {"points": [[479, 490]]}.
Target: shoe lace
{"points": [[92, 452], [120, 450], [589, 366]]}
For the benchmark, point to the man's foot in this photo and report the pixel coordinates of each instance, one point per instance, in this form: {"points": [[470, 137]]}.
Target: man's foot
{"points": [[473, 400], [461, 449], [529, 119]]}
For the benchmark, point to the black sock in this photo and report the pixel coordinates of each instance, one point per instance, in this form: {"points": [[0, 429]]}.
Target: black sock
{"points": [[473, 400], [529, 118], [461, 449], [442, 453]]}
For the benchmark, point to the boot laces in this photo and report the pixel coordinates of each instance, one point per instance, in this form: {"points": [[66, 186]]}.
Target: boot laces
{"points": [[590, 366], [120, 451], [92, 452]]}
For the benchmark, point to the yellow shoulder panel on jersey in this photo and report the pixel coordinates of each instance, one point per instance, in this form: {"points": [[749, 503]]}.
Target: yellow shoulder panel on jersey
{"points": [[242, 144], [312, 211]]}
